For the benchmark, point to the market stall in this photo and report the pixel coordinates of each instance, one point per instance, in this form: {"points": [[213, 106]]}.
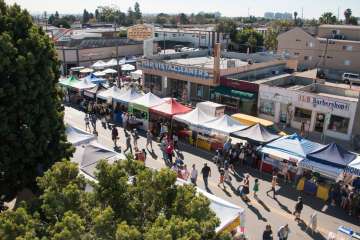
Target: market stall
{"points": [[109, 94], [286, 152], [193, 122], [165, 111], [84, 84], [140, 108], [94, 79], [354, 167], [71, 94], [256, 134], [77, 136], [127, 96], [327, 164], [93, 92]]}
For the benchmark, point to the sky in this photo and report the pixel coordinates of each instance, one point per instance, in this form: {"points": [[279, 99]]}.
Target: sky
{"points": [[231, 8]]}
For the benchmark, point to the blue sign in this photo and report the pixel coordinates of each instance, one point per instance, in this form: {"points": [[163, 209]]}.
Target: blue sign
{"points": [[166, 67]]}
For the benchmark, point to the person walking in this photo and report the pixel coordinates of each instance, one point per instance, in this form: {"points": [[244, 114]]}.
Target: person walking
{"points": [[206, 172], [169, 151], [87, 122], [273, 186], [193, 175], [185, 173], [283, 232], [222, 177], [149, 138], [135, 135], [128, 143], [175, 140], [114, 135], [245, 190], [256, 187], [267, 234], [298, 208], [312, 223]]}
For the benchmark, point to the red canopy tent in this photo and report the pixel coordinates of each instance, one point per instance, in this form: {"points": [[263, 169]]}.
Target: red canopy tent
{"points": [[170, 108]]}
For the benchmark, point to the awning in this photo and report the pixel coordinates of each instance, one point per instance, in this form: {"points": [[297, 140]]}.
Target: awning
{"points": [[224, 125], [354, 167], [231, 92], [77, 136], [147, 101], [95, 90], [325, 170]]}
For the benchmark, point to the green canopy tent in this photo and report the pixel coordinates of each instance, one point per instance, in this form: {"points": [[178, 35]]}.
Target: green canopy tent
{"points": [[69, 82]]}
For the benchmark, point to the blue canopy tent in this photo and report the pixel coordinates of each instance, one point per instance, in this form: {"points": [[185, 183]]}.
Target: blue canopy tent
{"points": [[354, 167], [94, 79], [292, 148], [329, 161]]}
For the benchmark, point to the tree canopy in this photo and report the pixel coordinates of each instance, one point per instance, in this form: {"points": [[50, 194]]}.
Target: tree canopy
{"points": [[129, 201], [32, 131], [328, 18], [248, 38]]}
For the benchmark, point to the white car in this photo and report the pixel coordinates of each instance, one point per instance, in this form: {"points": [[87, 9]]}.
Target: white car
{"points": [[351, 78]]}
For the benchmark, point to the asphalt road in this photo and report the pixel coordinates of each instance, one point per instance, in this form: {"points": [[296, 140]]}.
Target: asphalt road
{"points": [[259, 212]]}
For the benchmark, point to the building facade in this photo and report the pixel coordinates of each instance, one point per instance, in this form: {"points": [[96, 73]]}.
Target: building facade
{"points": [[335, 49], [330, 111]]}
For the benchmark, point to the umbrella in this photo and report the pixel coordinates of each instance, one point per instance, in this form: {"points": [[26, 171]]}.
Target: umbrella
{"points": [[86, 70], [127, 67], [109, 71], [99, 74], [112, 62]]}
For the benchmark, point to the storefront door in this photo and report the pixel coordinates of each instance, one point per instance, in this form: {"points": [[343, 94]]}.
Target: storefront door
{"points": [[319, 122]]}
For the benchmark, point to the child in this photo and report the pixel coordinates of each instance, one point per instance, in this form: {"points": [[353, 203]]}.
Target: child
{"points": [[222, 176], [256, 187]]}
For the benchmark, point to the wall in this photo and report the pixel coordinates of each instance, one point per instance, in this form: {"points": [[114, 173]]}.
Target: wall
{"points": [[259, 73], [350, 32], [282, 95]]}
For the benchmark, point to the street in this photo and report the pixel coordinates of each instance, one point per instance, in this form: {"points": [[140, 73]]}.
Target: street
{"points": [[259, 212]]}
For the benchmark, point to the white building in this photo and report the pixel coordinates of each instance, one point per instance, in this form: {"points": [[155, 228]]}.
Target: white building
{"points": [[325, 109]]}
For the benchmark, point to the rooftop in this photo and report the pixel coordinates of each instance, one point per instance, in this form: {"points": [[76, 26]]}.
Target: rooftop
{"points": [[99, 42], [208, 62], [340, 26]]}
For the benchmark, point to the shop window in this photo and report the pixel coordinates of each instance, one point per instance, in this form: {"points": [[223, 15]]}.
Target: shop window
{"points": [[347, 62], [267, 107], [302, 115], [338, 124], [153, 81], [200, 91]]}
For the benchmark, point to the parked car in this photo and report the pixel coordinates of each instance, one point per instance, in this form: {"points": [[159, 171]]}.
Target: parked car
{"points": [[351, 78]]}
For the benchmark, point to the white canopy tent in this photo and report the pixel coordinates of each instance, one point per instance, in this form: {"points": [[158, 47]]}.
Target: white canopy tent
{"points": [[99, 65], [77, 136], [223, 125], [194, 119], [112, 63], [99, 74], [113, 92], [128, 96], [136, 74], [84, 84], [229, 214], [148, 100], [109, 71], [127, 67], [86, 70]]}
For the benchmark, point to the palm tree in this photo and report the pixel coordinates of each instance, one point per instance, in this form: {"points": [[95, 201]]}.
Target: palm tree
{"points": [[328, 18], [295, 18], [347, 15]]}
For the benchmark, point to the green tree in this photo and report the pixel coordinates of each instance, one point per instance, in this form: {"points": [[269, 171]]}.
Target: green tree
{"points": [[353, 20], [183, 19], [86, 16], [248, 38], [328, 18], [32, 131], [270, 40], [227, 26], [347, 15], [152, 206], [162, 18], [57, 15], [137, 11]]}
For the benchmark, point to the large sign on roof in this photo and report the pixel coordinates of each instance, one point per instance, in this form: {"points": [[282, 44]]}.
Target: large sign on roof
{"points": [[140, 32]]}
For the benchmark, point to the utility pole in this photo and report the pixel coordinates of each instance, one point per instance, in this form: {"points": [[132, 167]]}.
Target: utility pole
{"points": [[302, 13]]}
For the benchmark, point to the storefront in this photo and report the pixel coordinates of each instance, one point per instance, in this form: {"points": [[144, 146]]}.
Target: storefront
{"points": [[326, 114]]}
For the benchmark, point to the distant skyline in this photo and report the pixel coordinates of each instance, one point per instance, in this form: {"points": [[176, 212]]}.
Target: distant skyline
{"points": [[231, 8]]}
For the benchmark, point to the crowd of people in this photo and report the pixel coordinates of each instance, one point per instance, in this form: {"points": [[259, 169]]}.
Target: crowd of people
{"points": [[229, 158]]}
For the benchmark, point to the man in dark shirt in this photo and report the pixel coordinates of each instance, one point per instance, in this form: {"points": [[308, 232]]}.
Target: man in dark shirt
{"points": [[206, 172]]}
